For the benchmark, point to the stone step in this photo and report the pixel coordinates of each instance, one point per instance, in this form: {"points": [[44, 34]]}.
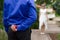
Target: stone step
{"points": [[51, 22], [38, 36]]}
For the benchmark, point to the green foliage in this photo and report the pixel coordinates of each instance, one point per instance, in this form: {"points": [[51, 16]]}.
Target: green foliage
{"points": [[1, 4], [57, 7], [42, 1], [35, 25], [58, 36], [1, 25]]}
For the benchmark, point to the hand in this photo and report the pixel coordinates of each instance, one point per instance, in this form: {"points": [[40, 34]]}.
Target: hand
{"points": [[38, 6], [13, 27]]}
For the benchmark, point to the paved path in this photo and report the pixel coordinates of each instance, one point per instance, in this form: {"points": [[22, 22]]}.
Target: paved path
{"points": [[52, 28], [38, 36]]}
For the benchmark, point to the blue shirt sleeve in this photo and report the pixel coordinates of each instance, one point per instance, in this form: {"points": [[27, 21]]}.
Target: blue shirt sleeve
{"points": [[30, 19]]}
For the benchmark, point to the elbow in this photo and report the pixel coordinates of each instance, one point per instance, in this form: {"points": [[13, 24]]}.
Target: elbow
{"points": [[35, 18]]}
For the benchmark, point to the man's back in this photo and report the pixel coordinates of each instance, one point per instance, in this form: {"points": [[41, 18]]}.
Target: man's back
{"points": [[12, 6], [19, 12], [18, 17]]}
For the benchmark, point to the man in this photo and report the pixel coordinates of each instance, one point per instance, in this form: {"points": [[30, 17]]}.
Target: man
{"points": [[18, 17]]}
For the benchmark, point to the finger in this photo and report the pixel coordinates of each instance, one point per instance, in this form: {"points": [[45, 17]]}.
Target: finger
{"points": [[15, 29], [12, 28]]}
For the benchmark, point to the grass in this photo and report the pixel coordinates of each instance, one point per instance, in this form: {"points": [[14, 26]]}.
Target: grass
{"points": [[3, 35], [57, 15], [58, 36]]}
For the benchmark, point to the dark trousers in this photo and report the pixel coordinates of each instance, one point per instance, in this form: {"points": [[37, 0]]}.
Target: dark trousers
{"points": [[19, 35]]}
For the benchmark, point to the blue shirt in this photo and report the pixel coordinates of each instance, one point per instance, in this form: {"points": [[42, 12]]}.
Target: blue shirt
{"points": [[19, 12]]}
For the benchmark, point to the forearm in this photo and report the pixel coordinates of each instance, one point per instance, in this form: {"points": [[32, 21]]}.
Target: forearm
{"points": [[32, 16], [38, 6], [26, 24]]}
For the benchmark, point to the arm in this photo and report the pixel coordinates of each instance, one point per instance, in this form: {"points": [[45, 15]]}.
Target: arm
{"points": [[7, 15], [30, 19], [38, 6], [47, 14]]}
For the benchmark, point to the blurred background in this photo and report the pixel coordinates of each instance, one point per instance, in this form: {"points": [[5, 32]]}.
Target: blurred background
{"points": [[50, 4]]}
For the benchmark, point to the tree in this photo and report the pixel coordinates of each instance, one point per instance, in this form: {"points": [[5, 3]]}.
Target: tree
{"points": [[57, 6], [41, 1]]}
